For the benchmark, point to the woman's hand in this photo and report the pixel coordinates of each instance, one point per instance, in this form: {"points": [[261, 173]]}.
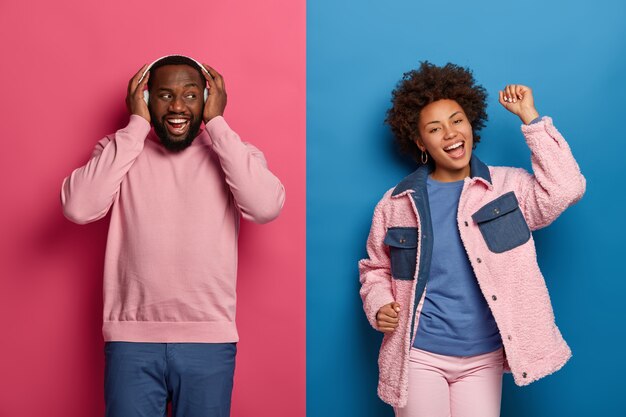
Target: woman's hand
{"points": [[387, 317], [518, 99]]}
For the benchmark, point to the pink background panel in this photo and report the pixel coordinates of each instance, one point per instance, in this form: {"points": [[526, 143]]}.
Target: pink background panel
{"points": [[64, 71]]}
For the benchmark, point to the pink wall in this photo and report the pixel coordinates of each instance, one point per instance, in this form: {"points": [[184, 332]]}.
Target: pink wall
{"points": [[64, 70]]}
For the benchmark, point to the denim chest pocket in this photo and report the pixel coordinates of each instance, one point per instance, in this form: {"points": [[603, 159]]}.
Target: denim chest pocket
{"points": [[402, 242], [502, 223]]}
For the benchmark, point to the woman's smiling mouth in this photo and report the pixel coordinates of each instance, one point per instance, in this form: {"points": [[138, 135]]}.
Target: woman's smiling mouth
{"points": [[456, 150]]}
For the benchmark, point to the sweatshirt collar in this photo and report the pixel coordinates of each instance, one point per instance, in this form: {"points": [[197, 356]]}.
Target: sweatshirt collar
{"points": [[417, 179]]}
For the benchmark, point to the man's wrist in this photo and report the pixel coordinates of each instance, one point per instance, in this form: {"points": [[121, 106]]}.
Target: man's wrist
{"points": [[207, 120], [147, 119], [139, 118]]}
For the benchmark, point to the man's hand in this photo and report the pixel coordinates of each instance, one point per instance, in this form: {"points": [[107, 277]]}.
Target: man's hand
{"points": [[134, 96], [387, 317], [518, 99], [216, 102]]}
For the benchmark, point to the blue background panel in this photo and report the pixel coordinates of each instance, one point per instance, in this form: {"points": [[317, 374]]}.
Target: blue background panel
{"points": [[573, 55]]}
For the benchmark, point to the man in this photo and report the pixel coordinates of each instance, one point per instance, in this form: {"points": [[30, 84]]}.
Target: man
{"points": [[176, 194]]}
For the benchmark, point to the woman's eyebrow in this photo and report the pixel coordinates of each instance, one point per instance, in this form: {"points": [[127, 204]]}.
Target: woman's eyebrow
{"points": [[451, 116]]}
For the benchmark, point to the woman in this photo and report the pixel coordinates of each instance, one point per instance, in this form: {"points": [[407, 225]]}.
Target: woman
{"points": [[451, 276]]}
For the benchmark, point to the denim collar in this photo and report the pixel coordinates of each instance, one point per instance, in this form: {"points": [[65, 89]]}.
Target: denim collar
{"points": [[417, 179]]}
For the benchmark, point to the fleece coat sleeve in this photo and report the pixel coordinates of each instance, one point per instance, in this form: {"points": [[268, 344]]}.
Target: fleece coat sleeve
{"points": [[88, 193], [375, 271], [258, 193], [556, 183]]}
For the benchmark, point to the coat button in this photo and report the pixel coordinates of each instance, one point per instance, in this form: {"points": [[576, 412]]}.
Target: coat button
{"points": [[479, 260], [466, 224], [402, 240], [494, 298], [496, 211], [524, 375], [509, 337]]}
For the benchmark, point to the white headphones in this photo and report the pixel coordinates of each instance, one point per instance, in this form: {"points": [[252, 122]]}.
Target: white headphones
{"points": [[146, 94]]}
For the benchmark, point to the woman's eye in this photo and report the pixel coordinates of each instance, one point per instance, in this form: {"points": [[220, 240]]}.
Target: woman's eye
{"points": [[457, 121], [433, 130]]}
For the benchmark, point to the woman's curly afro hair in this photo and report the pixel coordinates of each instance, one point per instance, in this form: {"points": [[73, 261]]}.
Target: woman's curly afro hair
{"points": [[430, 83]]}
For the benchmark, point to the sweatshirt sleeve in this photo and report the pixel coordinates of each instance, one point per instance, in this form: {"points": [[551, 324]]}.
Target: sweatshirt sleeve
{"points": [[556, 183], [89, 191], [257, 192], [375, 271]]}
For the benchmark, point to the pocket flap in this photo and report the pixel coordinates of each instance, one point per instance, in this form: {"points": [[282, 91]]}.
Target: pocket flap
{"points": [[401, 237], [506, 203]]}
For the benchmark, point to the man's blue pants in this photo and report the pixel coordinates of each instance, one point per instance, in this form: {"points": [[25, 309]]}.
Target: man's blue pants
{"points": [[141, 378]]}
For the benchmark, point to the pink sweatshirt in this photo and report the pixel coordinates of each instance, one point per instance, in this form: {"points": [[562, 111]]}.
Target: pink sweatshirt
{"points": [[171, 259]]}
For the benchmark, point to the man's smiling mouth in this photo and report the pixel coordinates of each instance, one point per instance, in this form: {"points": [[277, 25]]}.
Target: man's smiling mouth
{"points": [[176, 125]]}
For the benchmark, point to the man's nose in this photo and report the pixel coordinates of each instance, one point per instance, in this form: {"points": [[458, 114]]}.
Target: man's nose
{"points": [[177, 105]]}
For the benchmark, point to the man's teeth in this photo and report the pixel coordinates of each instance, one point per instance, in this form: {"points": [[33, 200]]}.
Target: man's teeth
{"points": [[456, 145], [177, 121]]}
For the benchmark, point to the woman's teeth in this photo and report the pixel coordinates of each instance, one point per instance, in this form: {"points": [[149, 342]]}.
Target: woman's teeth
{"points": [[451, 147], [456, 150]]}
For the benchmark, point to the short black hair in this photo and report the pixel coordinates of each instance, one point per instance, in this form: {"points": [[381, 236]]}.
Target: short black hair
{"points": [[430, 83], [174, 60]]}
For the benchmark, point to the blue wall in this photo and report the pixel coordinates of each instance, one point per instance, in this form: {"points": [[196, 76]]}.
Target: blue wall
{"points": [[573, 54]]}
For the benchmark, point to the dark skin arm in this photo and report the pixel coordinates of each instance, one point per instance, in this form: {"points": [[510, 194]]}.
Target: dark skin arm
{"points": [[216, 102], [134, 95]]}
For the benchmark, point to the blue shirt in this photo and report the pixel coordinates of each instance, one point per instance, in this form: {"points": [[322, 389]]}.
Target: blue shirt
{"points": [[455, 318]]}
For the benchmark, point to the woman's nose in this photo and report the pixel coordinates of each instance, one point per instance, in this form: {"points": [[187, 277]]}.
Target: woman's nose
{"points": [[450, 132]]}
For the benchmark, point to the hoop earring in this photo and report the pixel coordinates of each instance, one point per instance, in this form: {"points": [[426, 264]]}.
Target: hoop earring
{"points": [[424, 158]]}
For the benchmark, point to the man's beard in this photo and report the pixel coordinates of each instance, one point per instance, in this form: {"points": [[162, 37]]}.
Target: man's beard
{"points": [[175, 145]]}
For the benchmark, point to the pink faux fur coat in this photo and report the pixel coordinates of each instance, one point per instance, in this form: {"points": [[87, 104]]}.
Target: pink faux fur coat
{"points": [[505, 266]]}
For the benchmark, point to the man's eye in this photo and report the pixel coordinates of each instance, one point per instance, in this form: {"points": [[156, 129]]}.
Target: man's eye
{"points": [[191, 96], [166, 96]]}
